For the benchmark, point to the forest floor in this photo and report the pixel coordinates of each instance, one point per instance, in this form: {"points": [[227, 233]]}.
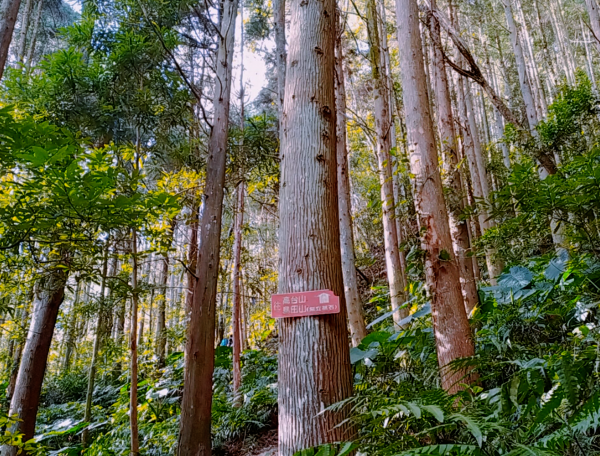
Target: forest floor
{"points": [[261, 444]]}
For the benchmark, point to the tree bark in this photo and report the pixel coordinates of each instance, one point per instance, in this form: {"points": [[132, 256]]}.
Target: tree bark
{"points": [[195, 436], [281, 57], [133, 409], [34, 35], [161, 318], [8, 17], [524, 83], [592, 9], [458, 227], [100, 326], [450, 323], [314, 362], [192, 256], [237, 294], [24, 29], [49, 294], [356, 321], [383, 127]]}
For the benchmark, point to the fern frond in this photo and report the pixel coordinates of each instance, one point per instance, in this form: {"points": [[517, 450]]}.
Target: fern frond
{"points": [[442, 450]]}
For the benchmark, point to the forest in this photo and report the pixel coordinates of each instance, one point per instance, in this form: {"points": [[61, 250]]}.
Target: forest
{"points": [[299, 227]]}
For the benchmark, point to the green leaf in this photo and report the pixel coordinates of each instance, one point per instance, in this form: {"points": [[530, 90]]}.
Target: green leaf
{"points": [[471, 426]]}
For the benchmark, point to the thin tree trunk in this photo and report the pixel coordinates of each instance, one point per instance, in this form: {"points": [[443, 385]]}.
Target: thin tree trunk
{"points": [[524, 83], [237, 292], [161, 318], [534, 76], [133, 409], [71, 330], [592, 8], [49, 294], [192, 256], [195, 435], [309, 238], [458, 227], [102, 314], [383, 127], [23, 317], [279, 25], [356, 321], [34, 35], [26, 17], [9, 11], [450, 323]]}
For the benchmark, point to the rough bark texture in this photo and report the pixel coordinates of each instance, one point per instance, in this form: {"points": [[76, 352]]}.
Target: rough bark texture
{"points": [[383, 128], [8, 17], [450, 323], [49, 294], [314, 361], [194, 436], [458, 227], [356, 320], [237, 295]]}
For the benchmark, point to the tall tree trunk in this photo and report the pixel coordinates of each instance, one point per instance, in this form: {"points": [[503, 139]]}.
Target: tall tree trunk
{"points": [[534, 77], [356, 320], [592, 9], [24, 29], [309, 238], [237, 292], [458, 227], [22, 318], [195, 436], [192, 259], [450, 323], [383, 127], [279, 25], [161, 318], [100, 325], [133, 409], [524, 83], [34, 35], [49, 294], [71, 329], [9, 11]]}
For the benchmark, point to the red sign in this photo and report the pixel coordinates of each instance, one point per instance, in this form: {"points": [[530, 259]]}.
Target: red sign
{"points": [[305, 303]]}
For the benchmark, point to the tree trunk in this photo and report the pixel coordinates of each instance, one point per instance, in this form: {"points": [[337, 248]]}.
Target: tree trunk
{"points": [[592, 8], [49, 294], [192, 256], [133, 409], [237, 294], [100, 325], [8, 17], [309, 238], [161, 318], [524, 83], [195, 436], [279, 25], [383, 127], [24, 29], [356, 320], [71, 330], [450, 323], [34, 35], [458, 227]]}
